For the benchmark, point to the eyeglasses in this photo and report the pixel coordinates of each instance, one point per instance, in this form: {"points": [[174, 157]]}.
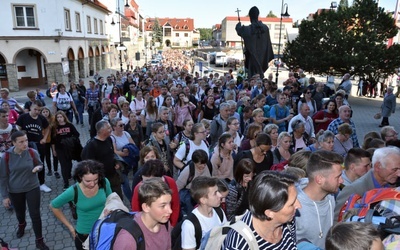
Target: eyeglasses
{"points": [[308, 92], [202, 132]]}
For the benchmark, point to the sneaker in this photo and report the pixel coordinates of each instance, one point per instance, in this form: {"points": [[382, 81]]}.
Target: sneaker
{"points": [[49, 173], [57, 175], [45, 188], [41, 245], [21, 230]]}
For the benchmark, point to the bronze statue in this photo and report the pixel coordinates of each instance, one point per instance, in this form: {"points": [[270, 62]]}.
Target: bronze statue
{"points": [[258, 49]]}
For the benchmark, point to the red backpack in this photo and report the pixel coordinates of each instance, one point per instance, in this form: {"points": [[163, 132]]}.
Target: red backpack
{"points": [[370, 198], [7, 158]]}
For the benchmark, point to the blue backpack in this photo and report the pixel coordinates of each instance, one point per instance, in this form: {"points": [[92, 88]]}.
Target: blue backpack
{"points": [[105, 231]]}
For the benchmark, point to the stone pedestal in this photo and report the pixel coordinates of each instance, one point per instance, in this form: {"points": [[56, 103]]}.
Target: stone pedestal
{"points": [[54, 72], [12, 77]]}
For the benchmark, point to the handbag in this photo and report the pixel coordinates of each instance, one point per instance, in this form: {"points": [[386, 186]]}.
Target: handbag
{"points": [[378, 116]]}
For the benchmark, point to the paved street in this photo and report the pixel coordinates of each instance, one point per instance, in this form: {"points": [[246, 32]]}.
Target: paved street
{"points": [[58, 237]]}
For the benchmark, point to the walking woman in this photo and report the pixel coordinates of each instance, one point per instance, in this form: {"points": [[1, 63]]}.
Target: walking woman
{"points": [[64, 130], [47, 147], [183, 111], [19, 184], [79, 100], [92, 191]]}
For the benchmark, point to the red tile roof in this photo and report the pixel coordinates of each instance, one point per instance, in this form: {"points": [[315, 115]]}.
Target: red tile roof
{"points": [[178, 24]]}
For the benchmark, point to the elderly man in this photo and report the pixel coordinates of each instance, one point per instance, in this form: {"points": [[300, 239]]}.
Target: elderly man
{"points": [[388, 106], [99, 114], [385, 171], [101, 149], [304, 117], [346, 84], [388, 133], [344, 117], [218, 124]]}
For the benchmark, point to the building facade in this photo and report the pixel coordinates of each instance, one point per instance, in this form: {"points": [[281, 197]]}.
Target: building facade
{"points": [[46, 41], [176, 32], [229, 38]]}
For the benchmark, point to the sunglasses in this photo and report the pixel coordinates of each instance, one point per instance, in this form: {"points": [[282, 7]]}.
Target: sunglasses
{"points": [[121, 125]]}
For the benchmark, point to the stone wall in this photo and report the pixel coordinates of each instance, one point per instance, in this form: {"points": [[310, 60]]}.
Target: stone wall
{"points": [[12, 77], [54, 72]]}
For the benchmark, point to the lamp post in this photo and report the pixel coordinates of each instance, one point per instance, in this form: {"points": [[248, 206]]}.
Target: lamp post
{"points": [[333, 5], [121, 47], [286, 14]]}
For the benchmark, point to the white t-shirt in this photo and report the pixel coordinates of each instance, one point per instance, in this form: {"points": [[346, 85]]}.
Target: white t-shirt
{"points": [[107, 89], [188, 235], [63, 101], [180, 154]]}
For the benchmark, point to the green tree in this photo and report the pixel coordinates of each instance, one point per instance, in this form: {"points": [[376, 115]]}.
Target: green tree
{"points": [[271, 14], [205, 33], [350, 39], [344, 4], [157, 31]]}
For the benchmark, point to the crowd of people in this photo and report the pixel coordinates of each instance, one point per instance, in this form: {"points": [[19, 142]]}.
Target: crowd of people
{"points": [[213, 141]]}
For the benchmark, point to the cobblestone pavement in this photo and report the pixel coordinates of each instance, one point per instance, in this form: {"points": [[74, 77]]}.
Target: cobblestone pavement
{"points": [[58, 237]]}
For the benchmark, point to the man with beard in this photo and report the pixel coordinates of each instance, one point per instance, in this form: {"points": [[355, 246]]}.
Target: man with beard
{"points": [[324, 172]]}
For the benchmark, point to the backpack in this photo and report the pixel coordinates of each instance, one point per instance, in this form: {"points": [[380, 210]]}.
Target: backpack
{"points": [[360, 205], [214, 238], [176, 234], [105, 231], [192, 170], [7, 158]]}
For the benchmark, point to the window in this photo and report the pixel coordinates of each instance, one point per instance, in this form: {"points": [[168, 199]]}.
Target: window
{"points": [[177, 34], [25, 16], [186, 35], [96, 31], [101, 27], [78, 22], [167, 31], [277, 26], [67, 19], [89, 24]]}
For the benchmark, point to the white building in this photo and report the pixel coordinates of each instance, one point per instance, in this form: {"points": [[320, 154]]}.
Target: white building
{"points": [[229, 37], [45, 40], [177, 32]]}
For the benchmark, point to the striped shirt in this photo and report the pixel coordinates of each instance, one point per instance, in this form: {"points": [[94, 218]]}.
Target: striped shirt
{"points": [[234, 241]]}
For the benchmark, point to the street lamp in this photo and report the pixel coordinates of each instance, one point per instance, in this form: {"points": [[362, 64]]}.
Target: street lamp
{"points": [[121, 47], [286, 14], [333, 5]]}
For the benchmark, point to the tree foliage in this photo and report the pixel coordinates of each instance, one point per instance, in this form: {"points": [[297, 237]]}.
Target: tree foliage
{"points": [[271, 14], [350, 39], [157, 31], [205, 34], [344, 3]]}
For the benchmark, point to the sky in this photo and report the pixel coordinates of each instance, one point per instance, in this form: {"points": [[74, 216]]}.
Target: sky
{"points": [[207, 13]]}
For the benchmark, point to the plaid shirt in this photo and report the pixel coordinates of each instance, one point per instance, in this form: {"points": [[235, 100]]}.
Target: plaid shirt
{"points": [[333, 126]]}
